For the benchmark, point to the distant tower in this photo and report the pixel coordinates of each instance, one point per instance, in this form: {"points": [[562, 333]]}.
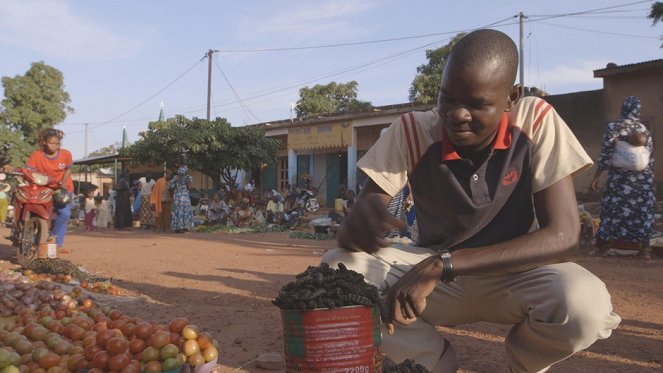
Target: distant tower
{"points": [[162, 118], [125, 138]]}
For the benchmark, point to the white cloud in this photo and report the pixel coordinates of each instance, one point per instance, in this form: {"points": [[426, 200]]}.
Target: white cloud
{"points": [[315, 17], [579, 73], [50, 28]]}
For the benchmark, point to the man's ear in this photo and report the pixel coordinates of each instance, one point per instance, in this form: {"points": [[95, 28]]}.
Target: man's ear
{"points": [[514, 95]]}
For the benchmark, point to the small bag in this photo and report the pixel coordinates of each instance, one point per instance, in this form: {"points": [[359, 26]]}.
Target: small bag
{"points": [[629, 157]]}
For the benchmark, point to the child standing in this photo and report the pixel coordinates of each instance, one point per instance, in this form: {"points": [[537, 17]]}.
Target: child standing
{"points": [[90, 208], [103, 215]]}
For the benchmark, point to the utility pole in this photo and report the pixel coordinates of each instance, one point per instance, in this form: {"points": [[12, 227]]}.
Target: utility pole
{"points": [[522, 53], [85, 140], [209, 80]]}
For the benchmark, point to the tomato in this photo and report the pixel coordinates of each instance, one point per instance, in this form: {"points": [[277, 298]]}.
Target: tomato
{"points": [[117, 324], [117, 345], [100, 360], [204, 340], [168, 351], [103, 337], [137, 345], [128, 329], [196, 359], [49, 360], [131, 368], [144, 330], [159, 339], [190, 332], [118, 362], [38, 353], [150, 354], [170, 364], [210, 353], [176, 325], [115, 314], [23, 346], [72, 363], [101, 325], [191, 347], [90, 351]]}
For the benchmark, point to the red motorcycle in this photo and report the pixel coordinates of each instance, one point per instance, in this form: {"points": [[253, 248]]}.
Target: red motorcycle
{"points": [[33, 205]]}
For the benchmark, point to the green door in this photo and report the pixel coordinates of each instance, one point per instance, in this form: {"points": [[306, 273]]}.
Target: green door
{"points": [[303, 167], [269, 178]]}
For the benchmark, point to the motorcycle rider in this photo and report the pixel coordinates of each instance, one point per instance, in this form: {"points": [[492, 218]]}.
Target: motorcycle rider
{"points": [[56, 163]]}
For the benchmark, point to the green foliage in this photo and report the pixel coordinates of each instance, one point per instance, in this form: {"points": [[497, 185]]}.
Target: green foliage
{"points": [[311, 236], [425, 87], [656, 14], [219, 228], [329, 99], [214, 148], [13, 150], [34, 101]]}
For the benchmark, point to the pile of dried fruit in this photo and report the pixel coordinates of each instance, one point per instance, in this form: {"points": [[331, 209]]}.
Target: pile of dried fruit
{"points": [[325, 287], [408, 366]]}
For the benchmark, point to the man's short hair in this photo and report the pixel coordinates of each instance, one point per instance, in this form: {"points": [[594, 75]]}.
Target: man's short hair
{"points": [[483, 46]]}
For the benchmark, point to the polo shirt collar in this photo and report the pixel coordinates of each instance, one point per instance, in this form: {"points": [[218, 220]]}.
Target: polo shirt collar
{"points": [[502, 140]]}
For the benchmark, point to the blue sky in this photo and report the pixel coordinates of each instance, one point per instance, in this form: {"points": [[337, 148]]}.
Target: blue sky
{"points": [[120, 57]]}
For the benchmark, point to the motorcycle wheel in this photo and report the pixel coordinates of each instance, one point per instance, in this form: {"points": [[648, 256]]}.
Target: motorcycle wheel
{"points": [[312, 205], [35, 232]]}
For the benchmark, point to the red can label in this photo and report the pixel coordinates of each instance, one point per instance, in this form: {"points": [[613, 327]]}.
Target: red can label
{"points": [[345, 340]]}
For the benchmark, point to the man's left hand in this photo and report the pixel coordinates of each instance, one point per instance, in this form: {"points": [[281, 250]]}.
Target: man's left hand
{"points": [[406, 299]]}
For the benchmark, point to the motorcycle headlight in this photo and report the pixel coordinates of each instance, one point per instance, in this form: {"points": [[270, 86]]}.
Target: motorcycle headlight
{"points": [[39, 179]]}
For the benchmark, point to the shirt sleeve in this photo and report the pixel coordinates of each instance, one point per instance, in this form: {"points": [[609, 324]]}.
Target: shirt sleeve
{"points": [[396, 152], [67, 159], [32, 162], [557, 153]]}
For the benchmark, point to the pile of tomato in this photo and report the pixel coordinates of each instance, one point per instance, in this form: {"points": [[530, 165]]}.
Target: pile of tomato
{"points": [[68, 333]]}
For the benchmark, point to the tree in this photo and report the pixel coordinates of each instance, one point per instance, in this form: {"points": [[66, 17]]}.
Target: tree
{"points": [[214, 148], [656, 14], [329, 99], [34, 101], [13, 150], [426, 84]]}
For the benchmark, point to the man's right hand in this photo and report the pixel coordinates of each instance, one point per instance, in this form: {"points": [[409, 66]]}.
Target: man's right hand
{"points": [[364, 229]]}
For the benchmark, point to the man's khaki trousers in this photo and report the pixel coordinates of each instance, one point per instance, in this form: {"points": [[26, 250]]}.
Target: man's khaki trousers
{"points": [[556, 310]]}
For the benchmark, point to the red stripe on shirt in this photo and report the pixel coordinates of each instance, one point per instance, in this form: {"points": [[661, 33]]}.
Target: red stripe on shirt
{"points": [[409, 141], [414, 134], [538, 120], [538, 105]]}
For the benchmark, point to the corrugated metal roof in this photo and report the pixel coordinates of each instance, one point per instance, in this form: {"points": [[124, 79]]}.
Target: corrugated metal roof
{"points": [[625, 69]]}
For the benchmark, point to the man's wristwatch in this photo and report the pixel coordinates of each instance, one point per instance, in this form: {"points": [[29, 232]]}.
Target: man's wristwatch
{"points": [[448, 275]]}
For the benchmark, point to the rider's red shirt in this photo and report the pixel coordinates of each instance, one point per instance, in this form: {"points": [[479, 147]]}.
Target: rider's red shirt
{"points": [[54, 167]]}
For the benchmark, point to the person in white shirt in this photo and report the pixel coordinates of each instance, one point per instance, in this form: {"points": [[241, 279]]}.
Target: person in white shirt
{"points": [[146, 213]]}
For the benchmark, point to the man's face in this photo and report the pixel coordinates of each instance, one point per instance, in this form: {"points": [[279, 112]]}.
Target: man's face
{"points": [[471, 103]]}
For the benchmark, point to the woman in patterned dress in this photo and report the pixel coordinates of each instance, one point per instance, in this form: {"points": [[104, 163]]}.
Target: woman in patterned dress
{"points": [[182, 210], [627, 207]]}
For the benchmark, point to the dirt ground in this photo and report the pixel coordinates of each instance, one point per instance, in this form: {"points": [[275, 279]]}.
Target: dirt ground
{"points": [[225, 283]]}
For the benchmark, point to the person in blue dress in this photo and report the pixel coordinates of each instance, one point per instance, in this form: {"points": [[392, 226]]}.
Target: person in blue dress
{"points": [[627, 206], [182, 210]]}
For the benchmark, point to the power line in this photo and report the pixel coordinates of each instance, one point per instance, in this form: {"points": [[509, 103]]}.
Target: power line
{"points": [[549, 16], [599, 32], [147, 99], [282, 49], [242, 104]]}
